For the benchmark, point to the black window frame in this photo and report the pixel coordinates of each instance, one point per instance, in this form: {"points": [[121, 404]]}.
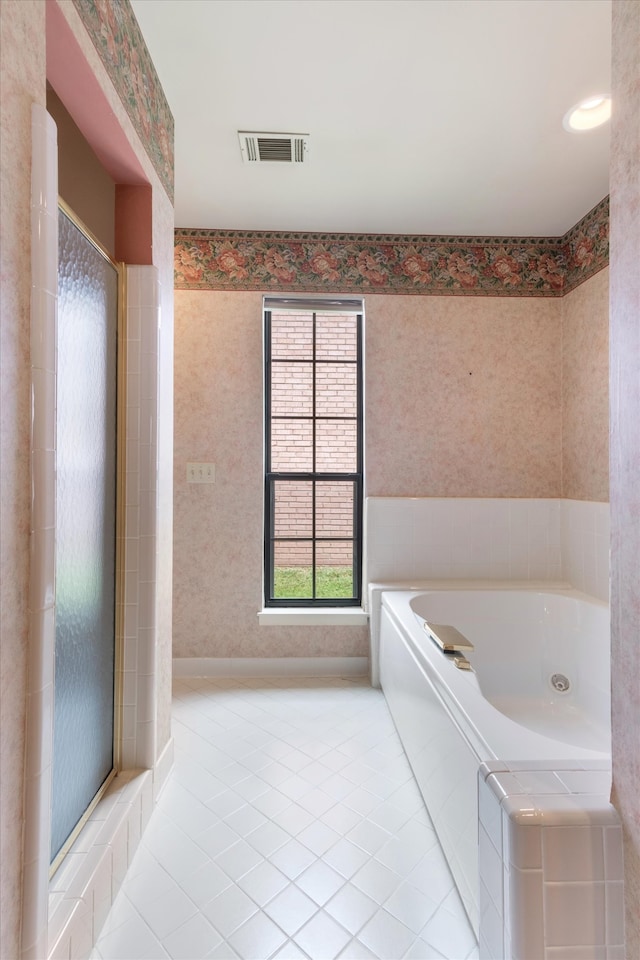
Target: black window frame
{"points": [[280, 305]]}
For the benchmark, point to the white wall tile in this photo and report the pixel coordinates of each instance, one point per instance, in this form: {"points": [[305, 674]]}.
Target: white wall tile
{"points": [[421, 538], [526, 913], [572, 853], [574, 914], [613, 855], [614, 905]]}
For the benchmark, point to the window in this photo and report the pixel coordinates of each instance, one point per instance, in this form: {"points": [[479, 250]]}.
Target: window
{"points": [[313, 452]]}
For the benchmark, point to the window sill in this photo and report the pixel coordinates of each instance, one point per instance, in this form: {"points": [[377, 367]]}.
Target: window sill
{"points": [[299, 616]]}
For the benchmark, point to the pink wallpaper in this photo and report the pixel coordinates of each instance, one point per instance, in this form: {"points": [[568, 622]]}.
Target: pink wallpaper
{"points": [[585, 390], [463, 397], [21, 83], [625, 447], [218, 527]]}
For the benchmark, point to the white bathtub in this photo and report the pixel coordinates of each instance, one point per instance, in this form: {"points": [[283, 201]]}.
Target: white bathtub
{"points": [[506, 709]]}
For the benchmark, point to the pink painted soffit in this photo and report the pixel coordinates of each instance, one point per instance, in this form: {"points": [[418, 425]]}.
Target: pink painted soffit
{"points": [[73, 80]]}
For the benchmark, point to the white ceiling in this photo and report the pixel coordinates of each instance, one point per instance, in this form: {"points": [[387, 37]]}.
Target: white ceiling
{"points": [[425, 116]]}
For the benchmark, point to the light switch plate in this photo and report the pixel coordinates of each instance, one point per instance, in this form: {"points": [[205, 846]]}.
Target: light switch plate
{"points": [[201, 472]]}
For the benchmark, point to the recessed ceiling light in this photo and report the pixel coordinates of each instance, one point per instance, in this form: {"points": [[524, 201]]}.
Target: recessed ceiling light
{"points": [[588, 114]]}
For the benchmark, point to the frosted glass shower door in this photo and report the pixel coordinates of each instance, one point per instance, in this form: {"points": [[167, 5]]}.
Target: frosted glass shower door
{"points": [[83, 747]]}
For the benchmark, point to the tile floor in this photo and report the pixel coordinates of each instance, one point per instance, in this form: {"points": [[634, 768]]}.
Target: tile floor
{"points": [[291, 826]]}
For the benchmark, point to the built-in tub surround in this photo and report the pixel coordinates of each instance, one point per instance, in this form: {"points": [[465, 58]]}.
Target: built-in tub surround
{"points": [[431, 538], [452, 721]]}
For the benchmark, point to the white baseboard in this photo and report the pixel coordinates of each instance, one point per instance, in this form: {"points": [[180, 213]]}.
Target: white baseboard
{"points": [[271, 667]]}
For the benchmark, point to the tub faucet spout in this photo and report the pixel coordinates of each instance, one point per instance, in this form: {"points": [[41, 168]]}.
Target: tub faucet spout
{"points": [[447, 637]]}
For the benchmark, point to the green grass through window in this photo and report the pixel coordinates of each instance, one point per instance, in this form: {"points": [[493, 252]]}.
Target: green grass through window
{"points": [[294, 583]]}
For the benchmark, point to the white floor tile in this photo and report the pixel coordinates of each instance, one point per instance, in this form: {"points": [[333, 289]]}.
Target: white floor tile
{"points": [[351, 908], [168, 912], [376, 880], [271, 802], [320, 882], [385, 936], [291, 909], [145, 888], [310, 775], [322, 937], [267, 838], [223, 952], [290, 951], [258, 937], [238, 859], [194, 940], [316, 801], [369, 835], [400, 855], [389, 816], [293, 818], [362, 802], [357, 951], [292, 859], [132, 939], [206, 883], [421, 950], [229, 910], [451, 935], [226, 802], [263, 883], [218, 838], [341, 818], [346, 857], [318, 837], [411, 907]]}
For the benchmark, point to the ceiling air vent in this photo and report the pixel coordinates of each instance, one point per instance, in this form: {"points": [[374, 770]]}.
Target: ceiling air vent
{"points": [[273, 147]]}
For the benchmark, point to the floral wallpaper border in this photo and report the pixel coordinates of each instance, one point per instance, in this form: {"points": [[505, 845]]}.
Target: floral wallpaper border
{"points": [[115, 33], [358, 263]]}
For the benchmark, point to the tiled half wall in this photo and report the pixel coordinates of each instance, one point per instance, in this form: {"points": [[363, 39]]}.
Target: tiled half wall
{"points": [[425, 538], [550, 856]]}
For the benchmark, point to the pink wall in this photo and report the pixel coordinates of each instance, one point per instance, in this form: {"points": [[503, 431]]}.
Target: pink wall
{"points": [[625, 447], [463, 399], [22, 81], [24, 66], [218, 527], [585, 390]]}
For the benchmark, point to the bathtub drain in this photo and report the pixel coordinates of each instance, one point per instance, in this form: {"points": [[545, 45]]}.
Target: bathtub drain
{"points": [[560, 683]]}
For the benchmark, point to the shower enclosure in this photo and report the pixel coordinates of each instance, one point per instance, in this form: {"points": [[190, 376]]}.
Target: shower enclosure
{"points": [[86, 560]]}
